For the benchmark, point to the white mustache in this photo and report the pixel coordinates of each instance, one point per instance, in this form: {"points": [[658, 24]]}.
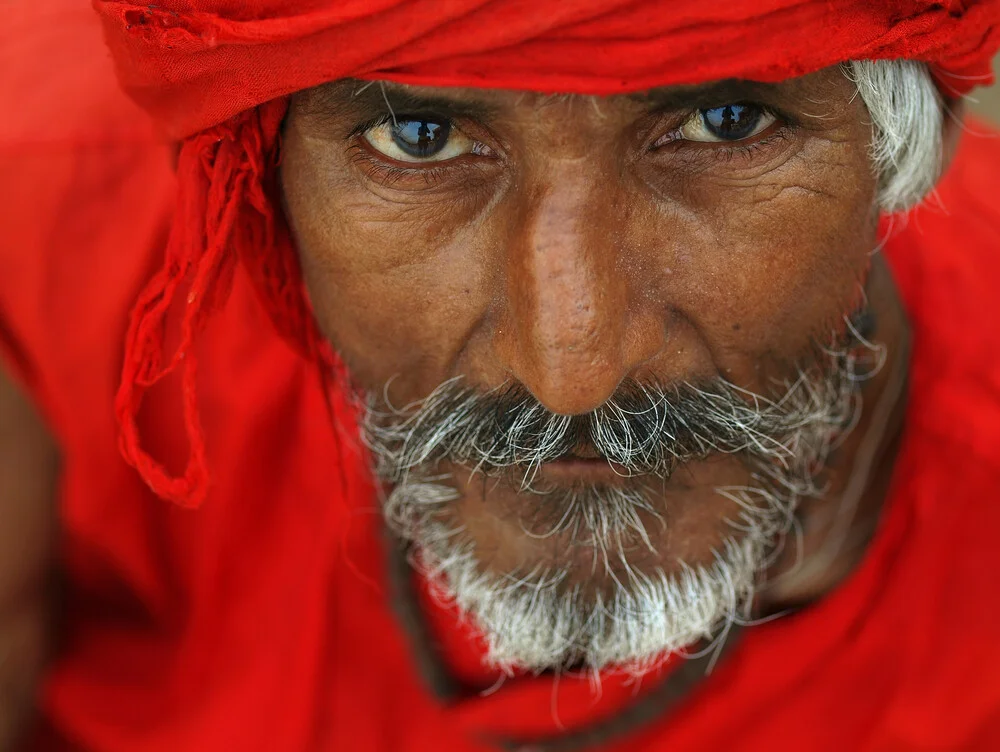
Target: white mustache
{"points": [[538, 619], [645, 428]]}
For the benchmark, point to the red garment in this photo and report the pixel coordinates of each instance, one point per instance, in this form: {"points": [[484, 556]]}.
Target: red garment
{"points": [[195, 63], [245, 626]]}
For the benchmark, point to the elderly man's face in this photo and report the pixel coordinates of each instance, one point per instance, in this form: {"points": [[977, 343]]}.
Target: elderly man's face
{"points": [[651, 257]]}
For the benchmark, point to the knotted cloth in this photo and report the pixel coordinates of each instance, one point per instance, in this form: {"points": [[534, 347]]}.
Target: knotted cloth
{"points": [[195, 63], [215, 73]]}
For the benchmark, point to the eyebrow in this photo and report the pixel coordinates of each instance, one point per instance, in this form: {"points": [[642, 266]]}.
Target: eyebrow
{"points": [[353, 95], [710, 95], [361, 99]]}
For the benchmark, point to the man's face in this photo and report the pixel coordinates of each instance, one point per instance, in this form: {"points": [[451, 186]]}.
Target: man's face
{"points": [[646, 262]]}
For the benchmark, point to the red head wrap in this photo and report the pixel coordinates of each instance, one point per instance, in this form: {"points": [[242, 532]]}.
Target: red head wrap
{"points": [[205, 69]]}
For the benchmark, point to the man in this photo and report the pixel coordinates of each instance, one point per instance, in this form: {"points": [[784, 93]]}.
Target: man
{"points": [[684, 419]]}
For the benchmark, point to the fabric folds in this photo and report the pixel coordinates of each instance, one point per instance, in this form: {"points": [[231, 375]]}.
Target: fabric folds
{"points": [[215, 73], [195, 63]]}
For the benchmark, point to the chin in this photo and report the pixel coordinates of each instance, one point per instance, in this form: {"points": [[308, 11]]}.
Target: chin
{"points": [[611, 538], [586, 567]]}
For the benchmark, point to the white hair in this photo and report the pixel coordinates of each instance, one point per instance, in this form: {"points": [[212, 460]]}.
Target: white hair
{"points": [[540, 619], [546, 618], [531, 621], [907, 114]]}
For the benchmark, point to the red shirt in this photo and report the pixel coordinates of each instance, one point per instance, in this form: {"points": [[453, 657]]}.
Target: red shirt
{"points": [[264, 621]]}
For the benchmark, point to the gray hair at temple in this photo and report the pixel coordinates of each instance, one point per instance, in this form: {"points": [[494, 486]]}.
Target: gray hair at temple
{"points": [[907, 114]]}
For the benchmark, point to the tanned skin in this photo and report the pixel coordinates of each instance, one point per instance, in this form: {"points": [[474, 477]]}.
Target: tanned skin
{"points": [[572, 260], [567, 252]]}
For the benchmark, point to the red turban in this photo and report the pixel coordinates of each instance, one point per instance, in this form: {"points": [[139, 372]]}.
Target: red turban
{"points": [[205, 69], [195, 63]]}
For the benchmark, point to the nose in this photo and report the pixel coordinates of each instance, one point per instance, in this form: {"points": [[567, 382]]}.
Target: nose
{"points": [[575, 322]]}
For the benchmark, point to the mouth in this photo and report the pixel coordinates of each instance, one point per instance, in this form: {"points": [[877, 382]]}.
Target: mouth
{"points": [[578, 468]]}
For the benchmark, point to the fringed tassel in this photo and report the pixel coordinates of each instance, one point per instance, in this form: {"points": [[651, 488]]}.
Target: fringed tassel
{"points": [[227, 210]]}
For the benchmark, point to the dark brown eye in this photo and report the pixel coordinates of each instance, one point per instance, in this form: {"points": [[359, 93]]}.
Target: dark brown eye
{"points": [[421, 138], [731, 122]]}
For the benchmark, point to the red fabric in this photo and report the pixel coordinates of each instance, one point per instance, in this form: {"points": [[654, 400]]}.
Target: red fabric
{"points": [[194, 64], [228, 199], [208, 65], [262, 621]]}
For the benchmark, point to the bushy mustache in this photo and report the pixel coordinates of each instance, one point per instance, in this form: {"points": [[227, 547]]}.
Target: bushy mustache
{"points": [[539, 618], [645, 428]]}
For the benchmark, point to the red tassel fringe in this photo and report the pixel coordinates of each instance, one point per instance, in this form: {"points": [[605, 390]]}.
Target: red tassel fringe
{"points": [[227, 212]]}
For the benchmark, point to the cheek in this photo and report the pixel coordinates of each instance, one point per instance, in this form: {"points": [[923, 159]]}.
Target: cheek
{"points": [[760, 268], [394, 284], [405, 289]]}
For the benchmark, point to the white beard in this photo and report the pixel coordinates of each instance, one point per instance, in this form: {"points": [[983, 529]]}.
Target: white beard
{"points": [[534, 622], [541, 620]]}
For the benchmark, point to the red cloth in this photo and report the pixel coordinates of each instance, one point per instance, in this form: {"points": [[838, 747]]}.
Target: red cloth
{"points": [[261, 621], [242, 626], [214, 72], [195, 64]]}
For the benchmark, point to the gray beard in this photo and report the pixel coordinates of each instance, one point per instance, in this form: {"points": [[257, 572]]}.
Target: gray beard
{"points": [[540, 619]]}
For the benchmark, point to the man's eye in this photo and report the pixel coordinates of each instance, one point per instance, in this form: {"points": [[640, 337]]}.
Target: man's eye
{"points": [[732, 122], [417, 139]]}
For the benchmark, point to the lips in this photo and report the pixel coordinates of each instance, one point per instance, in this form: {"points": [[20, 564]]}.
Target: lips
{"points": [[576, 468]]}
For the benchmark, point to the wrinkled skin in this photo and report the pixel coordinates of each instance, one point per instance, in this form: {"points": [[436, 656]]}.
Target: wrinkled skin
{"points": [[573, 252]]}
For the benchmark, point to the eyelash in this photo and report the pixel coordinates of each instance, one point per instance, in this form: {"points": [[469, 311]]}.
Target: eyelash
{"points": [[378, 168], [375, 122], [386, 174], [727, 153]]}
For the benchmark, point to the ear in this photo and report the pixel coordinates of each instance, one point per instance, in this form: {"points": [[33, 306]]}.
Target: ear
{"points": [[951, 130]]}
